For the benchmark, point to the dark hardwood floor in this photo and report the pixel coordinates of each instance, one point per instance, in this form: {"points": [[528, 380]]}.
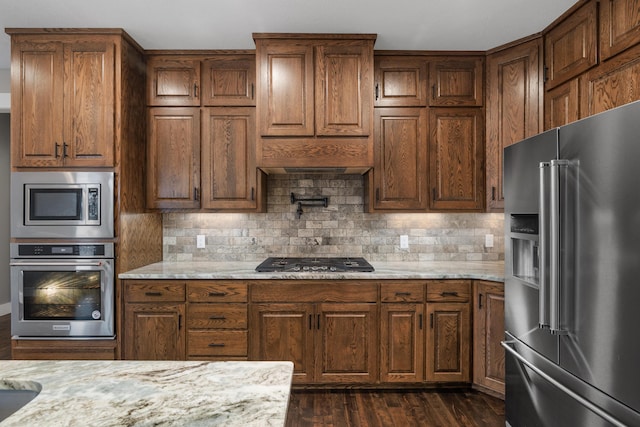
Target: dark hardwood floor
{"points": [[371, 408]]}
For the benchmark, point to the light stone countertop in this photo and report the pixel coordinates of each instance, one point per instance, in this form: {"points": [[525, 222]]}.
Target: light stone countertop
{"points": [[478, 270], [150, 393]]}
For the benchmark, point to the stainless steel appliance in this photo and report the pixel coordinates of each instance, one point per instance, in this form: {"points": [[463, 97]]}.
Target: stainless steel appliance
{"points": [[62, 205], [62, 290], [319, 265], [572, 241]]}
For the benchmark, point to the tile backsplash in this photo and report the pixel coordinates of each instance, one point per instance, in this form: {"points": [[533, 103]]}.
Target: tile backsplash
{"points": [[341, 229]]}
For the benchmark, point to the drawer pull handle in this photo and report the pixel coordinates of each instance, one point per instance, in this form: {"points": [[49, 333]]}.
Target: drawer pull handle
{"points": [[449, 294], [217, 317], [153, 294], [215, 344], [217, 294], [403, 294]]}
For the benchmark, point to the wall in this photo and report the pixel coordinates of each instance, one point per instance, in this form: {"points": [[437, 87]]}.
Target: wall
{"points": [[5, 89], [340, 229], [5, 306]]}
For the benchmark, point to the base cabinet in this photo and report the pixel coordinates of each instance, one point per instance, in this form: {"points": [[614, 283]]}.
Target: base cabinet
{"points": [[488, 325], [63, 349]]}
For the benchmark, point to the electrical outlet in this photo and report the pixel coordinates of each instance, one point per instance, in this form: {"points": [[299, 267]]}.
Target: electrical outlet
{"points": [[404, 242], [200, 242], [488, 240]]}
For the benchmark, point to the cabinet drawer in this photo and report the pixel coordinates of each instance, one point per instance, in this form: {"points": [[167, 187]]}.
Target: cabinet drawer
{"points": [[449, 291], [217, 316], [213, 291], [402, 292], [217, 343], [156, 290]]}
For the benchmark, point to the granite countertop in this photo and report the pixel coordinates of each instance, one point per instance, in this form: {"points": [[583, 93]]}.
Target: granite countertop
{"points": [[479, 270], [149, 393]]}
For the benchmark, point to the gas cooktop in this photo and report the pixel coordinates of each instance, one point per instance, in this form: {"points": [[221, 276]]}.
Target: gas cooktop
{"points": [[315, 265]]}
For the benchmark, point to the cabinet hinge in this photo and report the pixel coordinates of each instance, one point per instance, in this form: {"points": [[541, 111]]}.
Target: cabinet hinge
{"points": [[545, 74]]}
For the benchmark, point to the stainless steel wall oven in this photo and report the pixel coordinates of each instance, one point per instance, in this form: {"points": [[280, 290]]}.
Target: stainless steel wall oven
{"points": [[62, 290]]}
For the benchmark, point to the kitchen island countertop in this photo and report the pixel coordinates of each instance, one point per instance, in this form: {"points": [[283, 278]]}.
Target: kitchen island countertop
{"points": [[149, 393], [477, 270]]}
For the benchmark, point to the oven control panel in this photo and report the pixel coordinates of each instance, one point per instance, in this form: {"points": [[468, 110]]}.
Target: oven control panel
{"points": [[61, 250]]}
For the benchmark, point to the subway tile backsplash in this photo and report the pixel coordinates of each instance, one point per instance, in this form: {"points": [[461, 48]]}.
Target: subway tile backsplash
{"points": [[341, 229]]}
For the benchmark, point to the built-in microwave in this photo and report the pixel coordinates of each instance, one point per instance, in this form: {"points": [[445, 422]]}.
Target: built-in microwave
{"points": [[62, 204]]}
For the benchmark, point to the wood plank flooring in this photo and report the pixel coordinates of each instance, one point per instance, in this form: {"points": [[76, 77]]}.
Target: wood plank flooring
{"points": [[371, 408]]}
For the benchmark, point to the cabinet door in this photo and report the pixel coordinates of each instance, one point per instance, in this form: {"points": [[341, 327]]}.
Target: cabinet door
{"points": [[89, 90], [173, 81], [36, 104], [456, 159], [401, 343], [229, 174], [456, 82], [344, 89], [619, 26], [154, 332], [488, 324], [346, 347], [562, 104], [570, 47], [285, 88], [229, 80], [400, 81], [448, 342], [173, 156], [400, 153], [514, 108], [284, 332]]}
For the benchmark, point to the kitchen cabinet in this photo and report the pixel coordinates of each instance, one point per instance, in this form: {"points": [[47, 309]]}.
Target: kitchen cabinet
{"points": [[448, 337], [402, 332], [514, 109], [154, 320], [619, 26], [65, 349], [562, 104], [398, 180], [328, 330], [612, 84], [456, 159], [173, 81], [400, 81], [217, 320], [229, 80], [488, 332], [571, 46], [456, 81], [314, 100], [64, 99], [173, 158]]}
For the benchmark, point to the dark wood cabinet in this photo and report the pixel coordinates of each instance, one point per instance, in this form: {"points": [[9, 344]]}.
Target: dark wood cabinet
{"points": [[398, 180], [229, 80], [64, 103], [173, 158], [456, 81], [448, 332], [488, 332], [400, 81], [619, 26], [456, 159], [514, 109], [173, 81], [562, 104], [571, 45]]}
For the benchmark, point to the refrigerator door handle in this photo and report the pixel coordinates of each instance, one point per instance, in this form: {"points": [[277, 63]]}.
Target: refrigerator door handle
{"points": [[543, 236], [589, 405], [555, 294]]}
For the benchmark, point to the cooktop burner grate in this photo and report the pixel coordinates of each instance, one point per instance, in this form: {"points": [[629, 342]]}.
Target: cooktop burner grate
{"points": [[344, 264]]}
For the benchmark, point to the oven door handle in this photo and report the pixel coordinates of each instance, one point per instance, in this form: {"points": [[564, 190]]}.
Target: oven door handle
{"points": [[56, 264]]}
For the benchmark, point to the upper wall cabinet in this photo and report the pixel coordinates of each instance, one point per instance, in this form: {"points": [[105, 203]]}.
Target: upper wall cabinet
{"points": [[571, 46], [208, 80], [456, 81], [312, 88], [400, 81], [63, 98], [619, 26]]}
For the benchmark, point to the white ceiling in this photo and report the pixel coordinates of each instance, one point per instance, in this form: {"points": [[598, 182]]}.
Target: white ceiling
{"points": [[228, 24]]}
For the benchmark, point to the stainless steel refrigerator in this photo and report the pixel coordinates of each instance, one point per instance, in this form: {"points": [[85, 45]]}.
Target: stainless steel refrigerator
{"points": [[572, 274]]}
